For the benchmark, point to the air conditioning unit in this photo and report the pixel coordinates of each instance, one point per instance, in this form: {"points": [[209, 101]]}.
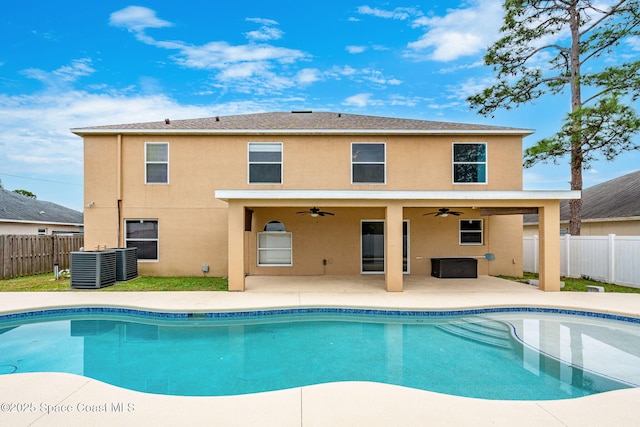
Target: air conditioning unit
{"points": [[93, 269], [126, 264]]}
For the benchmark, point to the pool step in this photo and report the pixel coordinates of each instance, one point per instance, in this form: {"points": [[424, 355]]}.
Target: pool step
{"points": [[485, 331]]}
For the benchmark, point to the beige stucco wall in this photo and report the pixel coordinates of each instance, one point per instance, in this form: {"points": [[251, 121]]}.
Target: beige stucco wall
{"points": [[193, 224]]}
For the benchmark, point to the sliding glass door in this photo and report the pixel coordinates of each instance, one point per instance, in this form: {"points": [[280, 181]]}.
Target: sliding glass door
{"points": [[372, 247]]}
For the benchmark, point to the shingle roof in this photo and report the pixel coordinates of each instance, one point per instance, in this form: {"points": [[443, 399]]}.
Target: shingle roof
{"points": [[617, 198], [299, 121], [16, 207]]}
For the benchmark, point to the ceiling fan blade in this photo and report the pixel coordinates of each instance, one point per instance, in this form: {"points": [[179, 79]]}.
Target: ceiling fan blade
{"points": [[328, 213], [455, 213]]}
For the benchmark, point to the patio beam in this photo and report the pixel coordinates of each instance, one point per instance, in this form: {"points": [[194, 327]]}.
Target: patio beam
{"points": [[549, 273], [507, 211], [393, 249], [236, 251]]}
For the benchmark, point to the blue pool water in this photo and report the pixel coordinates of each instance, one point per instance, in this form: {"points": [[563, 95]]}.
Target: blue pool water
{"points": [[497, 355]]}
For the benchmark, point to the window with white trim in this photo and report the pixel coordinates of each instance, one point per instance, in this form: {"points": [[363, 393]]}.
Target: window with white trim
{"points": [[368, 163], [471, 232], [470, 163], [142, 234], [265, 163], [156, 163], [274, 249]]}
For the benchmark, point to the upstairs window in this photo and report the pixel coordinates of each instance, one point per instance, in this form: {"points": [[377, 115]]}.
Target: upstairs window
{"points": [[156, 162], [368, 163], [265, 163], [471, 232], [470, 163]]}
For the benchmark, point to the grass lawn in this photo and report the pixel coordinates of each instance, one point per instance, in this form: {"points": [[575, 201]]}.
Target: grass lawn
{"points": [[46, 283], [579, 285]]}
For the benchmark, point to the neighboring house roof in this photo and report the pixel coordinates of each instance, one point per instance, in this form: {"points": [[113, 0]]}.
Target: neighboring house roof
{"points": [[299, 122], [15, 207], [614, 199]]}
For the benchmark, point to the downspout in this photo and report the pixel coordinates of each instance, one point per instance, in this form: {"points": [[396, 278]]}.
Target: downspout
{"points": [[119, 187]]}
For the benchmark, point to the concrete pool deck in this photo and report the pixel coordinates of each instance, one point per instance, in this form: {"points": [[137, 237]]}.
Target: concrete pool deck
{"points": [[74, 400]]}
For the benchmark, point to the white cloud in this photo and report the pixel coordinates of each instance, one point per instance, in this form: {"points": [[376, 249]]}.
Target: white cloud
{"points": [[634, 43], [472, 86], [399, 13], [359, 100], [308, 75], [257, 65], [78, 68], [221, 55], [67, 73], [362, 100], [461, 32], [456, 68], [355, 49], [137, 19], [268, 30], [406, 101], [369, 76]]}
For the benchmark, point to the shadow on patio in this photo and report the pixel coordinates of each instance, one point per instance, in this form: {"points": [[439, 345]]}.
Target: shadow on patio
{"points": [[376, 284]]}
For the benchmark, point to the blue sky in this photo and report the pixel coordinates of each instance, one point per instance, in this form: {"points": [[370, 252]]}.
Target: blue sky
{"points": [[74, 63]]}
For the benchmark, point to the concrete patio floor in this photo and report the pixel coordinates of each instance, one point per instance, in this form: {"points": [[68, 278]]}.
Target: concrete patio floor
{"points": [[79, 401]]}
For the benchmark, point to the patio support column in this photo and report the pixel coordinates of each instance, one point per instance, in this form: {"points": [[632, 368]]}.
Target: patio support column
{"points": [[393, 247], [236, 246], [549, 259]]}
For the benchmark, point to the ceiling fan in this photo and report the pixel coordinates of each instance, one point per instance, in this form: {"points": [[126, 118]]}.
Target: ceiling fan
{"points": [[443, 212], [314, 212]]}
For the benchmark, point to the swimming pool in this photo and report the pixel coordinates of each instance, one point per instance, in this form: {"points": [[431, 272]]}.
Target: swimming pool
{"points": [[504, 353]]}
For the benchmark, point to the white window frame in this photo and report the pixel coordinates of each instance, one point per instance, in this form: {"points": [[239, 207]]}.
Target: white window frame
{"points": [[383, 163], [280, 249], [485, 163], [156, 239], [481, 232], [408, 243], [147, 162], [249, 163]]}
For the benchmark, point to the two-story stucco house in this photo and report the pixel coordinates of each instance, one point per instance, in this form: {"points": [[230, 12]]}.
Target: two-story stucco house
{"points": [[313, 193]]}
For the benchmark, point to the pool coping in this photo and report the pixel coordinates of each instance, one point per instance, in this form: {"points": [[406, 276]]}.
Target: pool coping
{"points": [[347, 403]]}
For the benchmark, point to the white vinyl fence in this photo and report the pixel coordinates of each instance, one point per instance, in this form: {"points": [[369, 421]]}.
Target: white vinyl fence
{"points": [[610, 259]]}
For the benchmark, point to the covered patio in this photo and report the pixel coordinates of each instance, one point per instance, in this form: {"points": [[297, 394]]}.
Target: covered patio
{"points": [[394, 209]]}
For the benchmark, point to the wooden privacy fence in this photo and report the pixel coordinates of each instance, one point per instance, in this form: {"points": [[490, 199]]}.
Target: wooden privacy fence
{"points": [[25, 255], [611, 259]]}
